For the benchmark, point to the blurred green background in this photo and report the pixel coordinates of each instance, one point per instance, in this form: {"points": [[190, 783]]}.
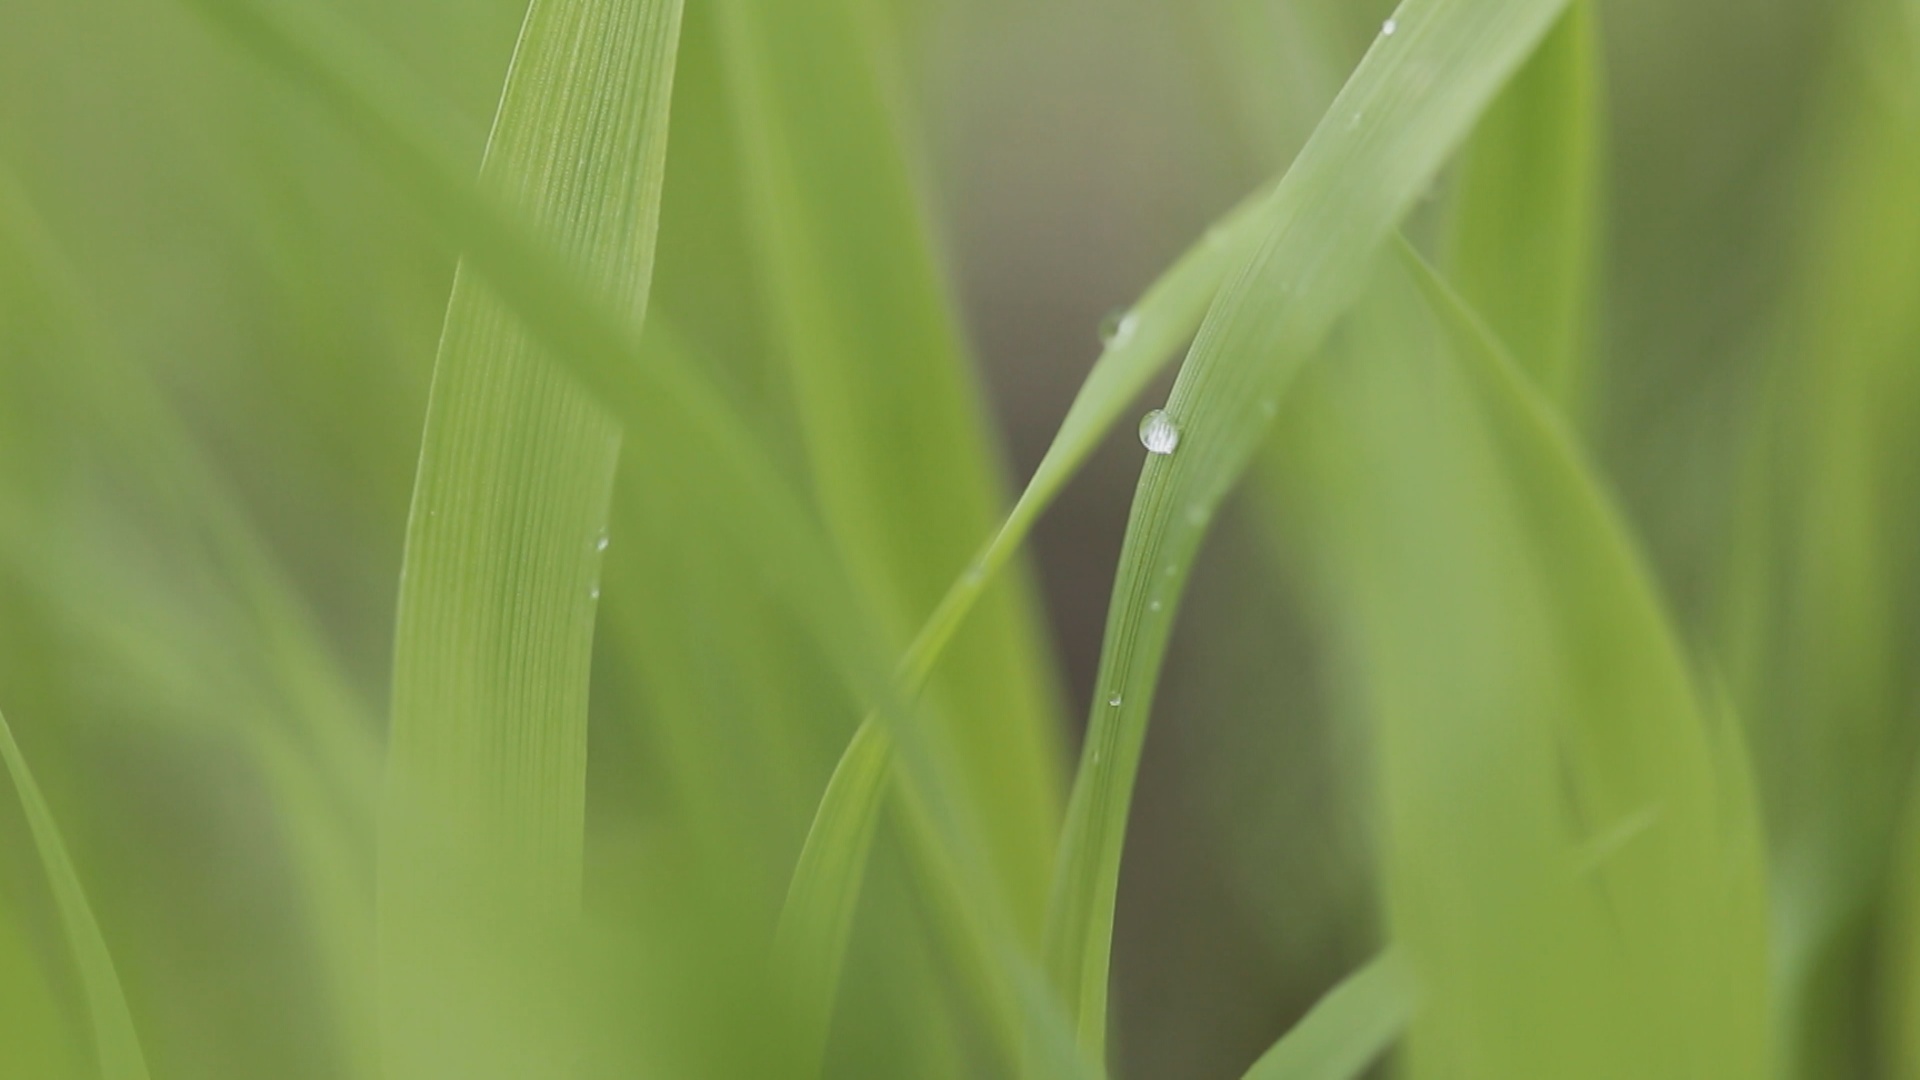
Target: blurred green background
{"points": [[214, 296]]}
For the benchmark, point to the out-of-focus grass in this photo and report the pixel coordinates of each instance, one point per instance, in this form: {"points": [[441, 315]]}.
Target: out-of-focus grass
{"points": [[1587, 672]]}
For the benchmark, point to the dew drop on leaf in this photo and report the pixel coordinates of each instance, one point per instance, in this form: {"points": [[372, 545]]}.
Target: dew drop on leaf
{"points": [[1158, 432]]}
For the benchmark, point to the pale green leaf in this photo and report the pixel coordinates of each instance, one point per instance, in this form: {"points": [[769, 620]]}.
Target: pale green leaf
{"points": [[1569, 848], [1525, 229], [484, 817], [1414, 97], [115, 1041], [1347, 1029]]}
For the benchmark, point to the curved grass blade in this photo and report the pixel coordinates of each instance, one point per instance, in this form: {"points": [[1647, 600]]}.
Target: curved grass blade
{"points": [[115, 1041], [323, 759], [484, 816], [36, 1036], [670, 399], [1571, 854], [1414, 97], [826, 881], [1525, 220], [890, 420], [1832, 687], [1347, 1029]]}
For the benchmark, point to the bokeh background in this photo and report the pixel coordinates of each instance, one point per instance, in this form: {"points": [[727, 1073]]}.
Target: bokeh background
{"points": [[238, 247]]}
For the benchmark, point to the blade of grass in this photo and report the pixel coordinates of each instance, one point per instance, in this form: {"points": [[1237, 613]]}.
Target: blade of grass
{"points": [[325, 760], [826, 881], [115, 1041], [484, 812], [36, 1035], [1571, 854], [1525, 225], [890, 422], [1413, 98], [672, 401], [1834, 694], [1347, 1029]]}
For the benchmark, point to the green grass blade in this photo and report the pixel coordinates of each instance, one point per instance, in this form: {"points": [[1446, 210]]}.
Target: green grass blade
{"points": [[1412, 100], [323, 755], [1347, 1029], [35, 1033], [1686, 897], [661, 394], [651, 384], [891, 424], [826, 881], [1525, 226], [486, 781], [1570, 850], [1833, 693], [115, 1041], [817, 918]]}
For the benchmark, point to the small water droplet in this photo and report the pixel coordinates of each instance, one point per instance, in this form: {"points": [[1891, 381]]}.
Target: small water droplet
{"points": [[602, 543], [1158, 432], [1353, 124], [1153, 605], [595, 594], [1118, 328], [1197, 514], [1114, 701], [1387, 28]]}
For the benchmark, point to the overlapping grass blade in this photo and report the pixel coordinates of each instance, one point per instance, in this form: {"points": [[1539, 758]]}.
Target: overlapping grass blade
{"points": [[1414, 97], [483, 823], [322, 755], [826, 881], [116, 1043], [1525, 226], [889, 417], [1830, 681], [668, 399], [1347, 1029], [1570, 851], [35, 1035]]}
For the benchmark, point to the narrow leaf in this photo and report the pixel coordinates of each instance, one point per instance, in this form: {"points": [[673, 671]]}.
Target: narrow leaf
{"points": [[483, 822], [1525, 225], [1570, 853], [1414, 97], [1347, 1029], [114, 1039]]}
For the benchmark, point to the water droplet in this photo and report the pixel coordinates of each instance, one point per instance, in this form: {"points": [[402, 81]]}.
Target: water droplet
{"points": [[602, 543], [1158, 433], [1118, 328], [1114, 701], [1387, 28], [595, 594], [1197, 514], [1153, 605]]}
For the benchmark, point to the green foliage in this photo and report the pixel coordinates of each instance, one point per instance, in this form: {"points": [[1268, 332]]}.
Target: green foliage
{"points": [[483, 822], [116, 1044], [1417, 94], [722, 728]]}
